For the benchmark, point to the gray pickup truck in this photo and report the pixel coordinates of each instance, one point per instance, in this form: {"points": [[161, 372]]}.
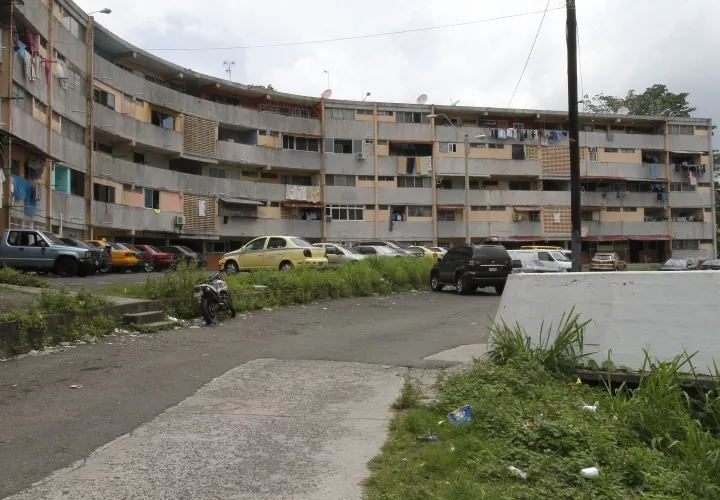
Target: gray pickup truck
{"points": [[42, 251]]}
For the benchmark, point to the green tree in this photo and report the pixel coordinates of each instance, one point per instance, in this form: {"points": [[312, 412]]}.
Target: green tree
{"points": [[656, 101]]}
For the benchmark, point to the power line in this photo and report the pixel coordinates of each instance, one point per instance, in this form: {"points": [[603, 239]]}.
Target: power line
{"points": [[531, 51], [342, 39]]}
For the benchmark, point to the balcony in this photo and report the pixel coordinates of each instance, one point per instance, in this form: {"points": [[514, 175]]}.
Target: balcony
{"points": [[693, 230], [622, 140], [405, 131], [514, 168], [147, 134], [233, 152], [70, 152], [406, 231], [695, 143], [456, 229], [349, 129], [338, 230], [247, 228], [405, 196], [335, 195], [629, 171], [110, 215], [690, 199], [348, 164], [71, 207], [36, 14], [625, 199], [502, 197], [28, 128], [626, 228]]}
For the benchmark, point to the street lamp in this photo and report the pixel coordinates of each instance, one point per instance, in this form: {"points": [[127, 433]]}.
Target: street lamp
{"points": [[103, 11], [467, 172]]}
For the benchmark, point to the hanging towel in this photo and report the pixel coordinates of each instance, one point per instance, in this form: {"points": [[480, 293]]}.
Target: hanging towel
{"points": [[653, 171], [502, 134], [2, 187], [411, 165], [46, 67], [24, 190], [665, 196], [35, 67], [27, 63], [511, 133], [556, 217], [402, 165], [693, 179]]}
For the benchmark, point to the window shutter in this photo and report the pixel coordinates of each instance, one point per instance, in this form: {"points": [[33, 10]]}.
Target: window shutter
{"points": [[443, 147], [357, 145], [329, 145]]}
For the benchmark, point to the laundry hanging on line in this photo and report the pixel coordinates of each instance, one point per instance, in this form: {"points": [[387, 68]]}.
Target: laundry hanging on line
{"points": [[26, 191]]}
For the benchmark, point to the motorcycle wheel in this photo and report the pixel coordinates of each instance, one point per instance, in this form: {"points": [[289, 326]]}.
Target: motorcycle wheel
{"points": [[210, 310], [231, 308]]}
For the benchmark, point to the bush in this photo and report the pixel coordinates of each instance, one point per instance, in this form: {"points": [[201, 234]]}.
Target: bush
{"points": [[176, 285], [62, 301], [88, 328], [9, 276]]}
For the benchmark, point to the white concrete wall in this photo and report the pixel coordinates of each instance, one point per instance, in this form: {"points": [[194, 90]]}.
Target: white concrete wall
{"points": [[631, 311]]}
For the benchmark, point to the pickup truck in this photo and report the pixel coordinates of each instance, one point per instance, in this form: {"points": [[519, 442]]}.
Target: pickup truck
{"points": [[42, 251]]}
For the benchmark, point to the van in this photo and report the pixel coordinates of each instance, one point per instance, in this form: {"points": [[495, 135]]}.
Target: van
{"points": [[552, 258]]}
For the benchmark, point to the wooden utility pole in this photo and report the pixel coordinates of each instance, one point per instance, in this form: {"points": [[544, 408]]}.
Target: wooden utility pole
{"points": [[571, 33]]}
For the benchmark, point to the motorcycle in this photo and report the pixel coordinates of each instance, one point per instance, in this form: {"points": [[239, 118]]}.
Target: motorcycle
{"points": [[213, 295]]}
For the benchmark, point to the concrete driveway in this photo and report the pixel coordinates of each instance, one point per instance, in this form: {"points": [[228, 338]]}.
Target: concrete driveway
{"points": [[189, 409]]}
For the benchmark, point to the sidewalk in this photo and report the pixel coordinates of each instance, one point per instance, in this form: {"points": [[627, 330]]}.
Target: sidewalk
{"points": [[267, 429]]}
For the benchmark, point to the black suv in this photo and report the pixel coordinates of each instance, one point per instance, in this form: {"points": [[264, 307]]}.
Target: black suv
{"points": [[470, 267]]}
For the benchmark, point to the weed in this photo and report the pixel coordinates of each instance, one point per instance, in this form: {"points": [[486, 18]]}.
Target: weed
{"points": [[28, 322], [9, 276], [63, 301], [88, 328], [409, 396]]}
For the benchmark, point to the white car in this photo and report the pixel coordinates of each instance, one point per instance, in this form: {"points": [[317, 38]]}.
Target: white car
{"points": [[442, 251], [378, 251], [337, 255]]}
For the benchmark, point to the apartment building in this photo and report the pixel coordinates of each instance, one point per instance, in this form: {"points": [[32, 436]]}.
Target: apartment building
{"points": [[101, 139]]}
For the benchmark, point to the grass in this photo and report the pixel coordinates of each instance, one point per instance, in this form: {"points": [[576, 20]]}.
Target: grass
{"points": [[9, 276], [297, 286], [658, 440]]}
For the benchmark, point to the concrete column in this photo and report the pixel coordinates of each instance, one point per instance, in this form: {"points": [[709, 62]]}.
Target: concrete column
{"points": [[377, 170], [49, 164], [434, 182], [323, 161], [89, 132]]}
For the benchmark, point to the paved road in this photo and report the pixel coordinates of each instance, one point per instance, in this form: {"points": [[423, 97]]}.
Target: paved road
{"points": [[97, 281], [130, 380]]}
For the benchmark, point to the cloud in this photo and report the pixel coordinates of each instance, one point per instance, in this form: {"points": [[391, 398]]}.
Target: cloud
{"points": [[623, 45]]}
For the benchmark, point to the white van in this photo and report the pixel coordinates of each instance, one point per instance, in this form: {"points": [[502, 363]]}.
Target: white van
{"points": [[551, 258]]}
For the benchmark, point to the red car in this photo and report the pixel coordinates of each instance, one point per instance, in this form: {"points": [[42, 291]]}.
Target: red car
{"points": [[162, 260]]}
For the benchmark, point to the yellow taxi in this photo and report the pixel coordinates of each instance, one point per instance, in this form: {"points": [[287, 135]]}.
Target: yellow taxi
{"points": [[425, 251], [122, 258], [274, 252]]}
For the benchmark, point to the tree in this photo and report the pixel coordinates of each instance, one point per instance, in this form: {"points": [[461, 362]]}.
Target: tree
{"points": [[656, 101]]}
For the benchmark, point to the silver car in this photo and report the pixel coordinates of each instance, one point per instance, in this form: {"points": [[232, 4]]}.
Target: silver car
{"points": [[337, 255]]}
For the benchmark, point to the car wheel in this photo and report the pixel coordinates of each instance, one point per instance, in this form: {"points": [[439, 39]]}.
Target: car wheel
{"points": [[66, 267], [460, 285], [41, 273], [286, 266], [499, 289], [231, 267], [435, 284]]}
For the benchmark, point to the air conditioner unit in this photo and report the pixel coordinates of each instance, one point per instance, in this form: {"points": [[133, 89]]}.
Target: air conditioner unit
{"points": [[517, 217], [361, 156], [180, 220]]}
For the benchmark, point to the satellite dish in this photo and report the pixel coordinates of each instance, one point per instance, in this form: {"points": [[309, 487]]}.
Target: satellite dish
{"points": [[326, 94], [623, 111], [454, 103], [422, 99]]}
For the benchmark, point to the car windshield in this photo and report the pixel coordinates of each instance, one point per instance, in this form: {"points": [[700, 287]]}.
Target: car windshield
{"points": [[385, 250], [397, 244], [299, 242], [559, 256], [152, 248], [52, 238], [186, 249], [130, 247], [675, 262], [79, 244], [115, 245], [347, 250], [603, 256]]}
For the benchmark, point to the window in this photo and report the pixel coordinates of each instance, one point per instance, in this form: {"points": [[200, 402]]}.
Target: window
{"points": [[413, 182], [22, 99], [367, 112], [139, 102], [344, 212], [627, 150], [139, 158], [340, 180], [152, 198], [611, 150], [301, 143], [587, 128], [284, 110], [448, 147], [518, 126], [343, 146], [701, 127], [77, 183], [446, 215], [268, 108], [369, 207], [160, 119], [55, 117], [126, 68], [703, 184], [409, 117], [255, 245], [366, 178], [273, 133], [682, 186], [217, 173], [383, 207], [103, 193], [102, 148], [612, 209], [73, 131], [72, 24], [40, 106], [74, 80], [419, 211], [534, 216], [519, 185], [127, 98], [217, 246], [301, 113], [518, 152], [629, 209], [24, 239], [685, 245], [682, 130], [592, 154], [496, 146], [382, 142], [473, 184], [268, 176], [497, 208], [490, 184], [249, 173], [297, 180], [386, 178], [477, 145], [105, 98], [385, 113], [275, 243], [342, 114]]}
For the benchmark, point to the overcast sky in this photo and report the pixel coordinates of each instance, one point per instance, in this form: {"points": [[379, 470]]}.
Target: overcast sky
{"points": [[623, 45]]}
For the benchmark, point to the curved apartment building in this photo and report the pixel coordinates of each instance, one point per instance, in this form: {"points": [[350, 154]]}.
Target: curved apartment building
{"points": [[101, 139]]}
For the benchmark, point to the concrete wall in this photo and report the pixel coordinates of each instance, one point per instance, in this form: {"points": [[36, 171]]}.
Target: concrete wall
{"points": [[503, 197], [349, 129], [241, 228], [620, 140], [456, 229], [625, 200], [349, 196], [689, 199], [70, 46], [405, 131], [405, 196], [456, 166], [36, 14], [109, 215], [347, 164], [69, 152], [626, 228], [72, 207], [630, 311], [234, 152], [689, 143], [406, 231], [351, 230], [68, 102], [693, 231], [630, 171], [126, 127]]}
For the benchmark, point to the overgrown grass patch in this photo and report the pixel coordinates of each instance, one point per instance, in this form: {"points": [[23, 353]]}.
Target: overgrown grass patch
{"points": [[9, 276]]}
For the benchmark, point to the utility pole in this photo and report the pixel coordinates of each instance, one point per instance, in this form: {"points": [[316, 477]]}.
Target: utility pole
{"points": [[576, 224]]}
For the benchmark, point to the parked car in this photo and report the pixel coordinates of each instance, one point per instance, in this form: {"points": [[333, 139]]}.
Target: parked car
{"points": [[551, 258], [42, 251], [470, 267], [162, 260], [398, 247], [379, 251], [182, 252], [274, 252], [425, 251], [104, 257], [439, 250], [710, 265], [607, 261], [145, 260], [122, 258], [534, 266], [676, 264], [337, 255]]}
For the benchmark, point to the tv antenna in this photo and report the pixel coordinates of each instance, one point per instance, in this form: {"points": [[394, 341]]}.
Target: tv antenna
{"points": [[228, 68], [422, 99], [624, 110]]}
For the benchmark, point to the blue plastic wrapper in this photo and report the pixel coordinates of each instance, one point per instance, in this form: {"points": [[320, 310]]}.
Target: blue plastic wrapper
{"points": [[462, 415]]}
